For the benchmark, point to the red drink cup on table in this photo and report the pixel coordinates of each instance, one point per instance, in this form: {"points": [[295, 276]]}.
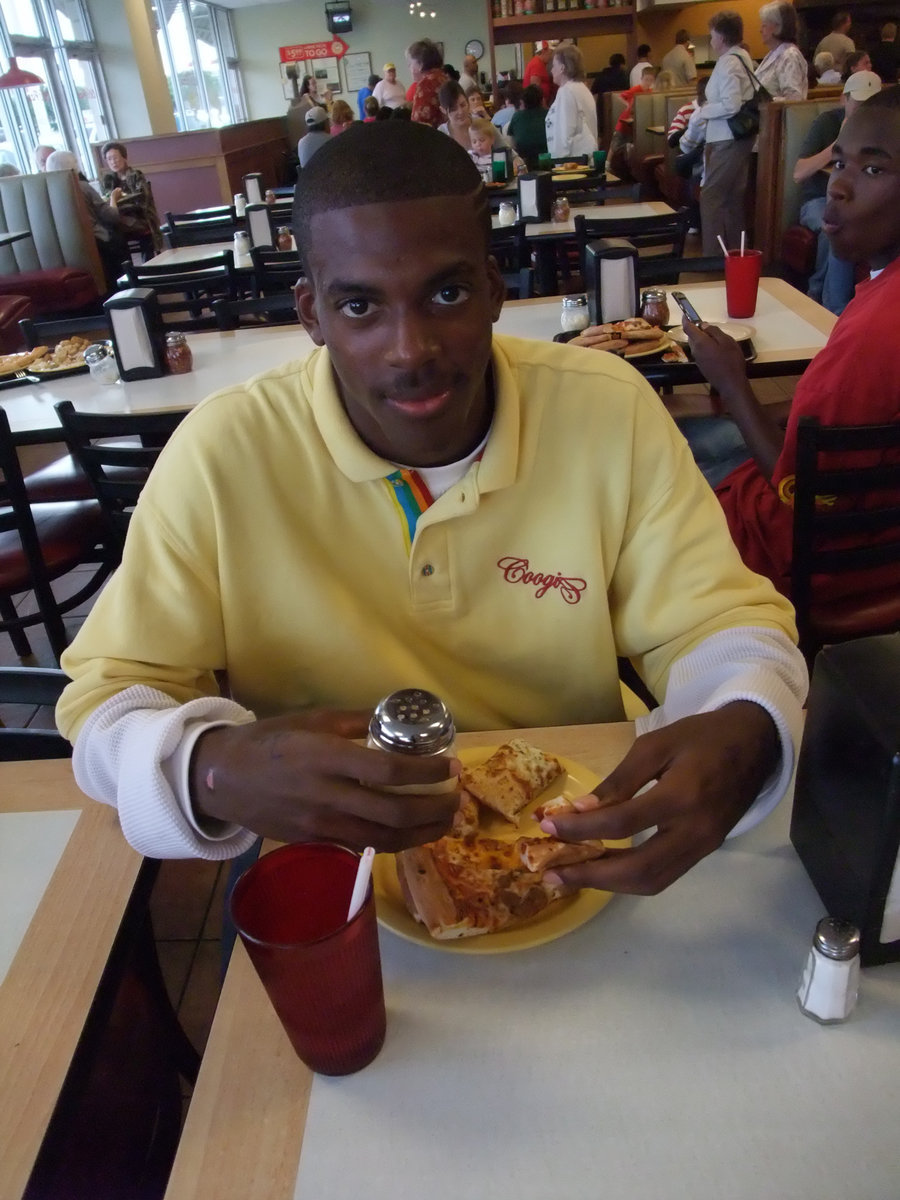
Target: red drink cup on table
{"points": [[742, 272], [321, 971]]}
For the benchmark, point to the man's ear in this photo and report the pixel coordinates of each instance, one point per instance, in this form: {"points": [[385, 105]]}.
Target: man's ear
{"points": [[305, 301]]}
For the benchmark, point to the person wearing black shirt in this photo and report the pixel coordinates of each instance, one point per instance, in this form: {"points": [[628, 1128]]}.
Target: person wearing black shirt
{"points": [[613, 78]]}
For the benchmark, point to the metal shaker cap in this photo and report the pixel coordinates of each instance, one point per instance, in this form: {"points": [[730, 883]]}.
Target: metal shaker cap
{"points": [[412, 721], [836, 939]]}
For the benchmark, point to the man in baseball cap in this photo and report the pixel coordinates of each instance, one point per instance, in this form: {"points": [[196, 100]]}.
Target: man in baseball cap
{"points": [[538, 71], [389, 93], [832, 281], [317, 125]]}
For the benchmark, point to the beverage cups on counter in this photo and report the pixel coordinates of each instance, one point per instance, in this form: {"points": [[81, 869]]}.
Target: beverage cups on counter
{"points": [[599, 160], [742, 272], [321, 972], [545, 162]]}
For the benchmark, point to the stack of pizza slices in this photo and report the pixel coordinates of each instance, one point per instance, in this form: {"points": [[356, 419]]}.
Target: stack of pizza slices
{"points": [[468, 883]]}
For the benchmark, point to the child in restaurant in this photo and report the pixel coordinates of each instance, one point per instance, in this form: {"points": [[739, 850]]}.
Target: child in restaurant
{"points": [[484, 138]]}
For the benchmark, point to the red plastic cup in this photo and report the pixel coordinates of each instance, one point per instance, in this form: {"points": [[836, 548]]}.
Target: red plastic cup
{"points": [[742, 273], [321, 971]]}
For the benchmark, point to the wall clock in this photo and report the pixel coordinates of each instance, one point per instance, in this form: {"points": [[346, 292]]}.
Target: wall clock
{"points": [[475, 48]]}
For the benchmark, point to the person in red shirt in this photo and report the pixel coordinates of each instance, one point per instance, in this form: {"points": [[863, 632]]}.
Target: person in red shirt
{"points": [[426, 65], [538, 72], [853, 380], [623, 133]]}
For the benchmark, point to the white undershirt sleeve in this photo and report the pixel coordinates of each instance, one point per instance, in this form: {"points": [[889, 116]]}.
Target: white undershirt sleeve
{"points": [[747, 663], [133, 753]]}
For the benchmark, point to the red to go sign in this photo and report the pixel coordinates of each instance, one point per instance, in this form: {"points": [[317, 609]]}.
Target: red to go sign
{"points": [[336, 48]]}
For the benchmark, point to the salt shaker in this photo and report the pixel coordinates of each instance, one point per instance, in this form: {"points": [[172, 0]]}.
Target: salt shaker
{"points": [[101, 362], [830, 981], [574, 315], [506, 214], [241, 244], [413, 721], [240, 204]]}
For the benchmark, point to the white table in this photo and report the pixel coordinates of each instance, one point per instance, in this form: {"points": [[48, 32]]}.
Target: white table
{"points": [[612, 212], [788, 328], [656, 1053]]}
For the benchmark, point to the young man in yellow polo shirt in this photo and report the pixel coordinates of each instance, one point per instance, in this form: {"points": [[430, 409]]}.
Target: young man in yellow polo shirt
{"points": [[420, 503]]}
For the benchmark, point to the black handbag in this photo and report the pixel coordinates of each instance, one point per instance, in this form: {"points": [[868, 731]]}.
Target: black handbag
{"points": [[745, 122]]}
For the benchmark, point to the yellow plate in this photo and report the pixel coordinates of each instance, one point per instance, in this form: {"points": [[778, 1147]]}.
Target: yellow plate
{"points": [[554, 922], [644, 353], [570, 174]]}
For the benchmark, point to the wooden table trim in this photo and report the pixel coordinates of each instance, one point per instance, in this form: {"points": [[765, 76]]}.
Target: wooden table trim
{"points": [[244, 1129], [43, 1001]]}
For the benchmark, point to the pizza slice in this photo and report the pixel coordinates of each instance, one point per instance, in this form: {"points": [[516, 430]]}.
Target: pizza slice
{"points": [[512, 777], [466, 887]]}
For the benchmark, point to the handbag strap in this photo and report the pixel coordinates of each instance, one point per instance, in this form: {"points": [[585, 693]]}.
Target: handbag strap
{"points": [[757, 86]]}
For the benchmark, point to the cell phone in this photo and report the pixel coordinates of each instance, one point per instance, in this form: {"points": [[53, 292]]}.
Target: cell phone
{"points": [[686, 307]]}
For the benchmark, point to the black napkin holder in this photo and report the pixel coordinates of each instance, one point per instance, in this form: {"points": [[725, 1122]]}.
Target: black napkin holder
{"points": [[258, 223], [253, 188], [535, 196], [611, 280], [846, 817], [138, 333]]}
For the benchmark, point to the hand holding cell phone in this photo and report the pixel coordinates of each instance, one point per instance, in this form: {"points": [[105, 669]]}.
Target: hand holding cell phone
{"points": [[687, 308]]}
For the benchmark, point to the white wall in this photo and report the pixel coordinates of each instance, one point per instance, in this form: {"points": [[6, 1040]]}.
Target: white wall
{"points": [[384, 28]]}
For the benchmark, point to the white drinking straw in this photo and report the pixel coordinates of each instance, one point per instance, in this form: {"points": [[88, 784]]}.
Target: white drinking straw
{"points": [[361, 883], [722, 244], [743, 235]]}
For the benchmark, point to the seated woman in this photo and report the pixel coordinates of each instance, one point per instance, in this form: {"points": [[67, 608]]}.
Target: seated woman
{"points": [[484, 139], [457, 115], [127, 189], [107, 222]]}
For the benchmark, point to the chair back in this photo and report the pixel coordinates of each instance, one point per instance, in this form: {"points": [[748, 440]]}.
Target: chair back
{"points": [[652, 109], [275, 271], [40, 333], [846, 522], [665, 233], [278, 308], [38, 687], [201, 227], [186, 291], [117, 469]]}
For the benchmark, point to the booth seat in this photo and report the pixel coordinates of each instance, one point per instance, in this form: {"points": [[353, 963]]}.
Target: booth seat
{"points": [[58, 267], [12, 310], [783, 129]]}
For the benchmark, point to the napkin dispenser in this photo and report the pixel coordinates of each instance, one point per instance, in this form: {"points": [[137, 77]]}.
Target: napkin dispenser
{"points": [[258, 224], [535, 196], [610, 280], [253, 189], [138, 333], [845, 824]]}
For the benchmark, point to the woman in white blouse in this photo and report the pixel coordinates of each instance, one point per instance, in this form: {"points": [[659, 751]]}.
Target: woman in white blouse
{"points": [[727, 160], [783, 72], [572, 118]]}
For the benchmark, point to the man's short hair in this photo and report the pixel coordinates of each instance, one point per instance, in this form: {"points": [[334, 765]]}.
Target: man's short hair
{"points": [[839, 19], [643, 50], [682, 37], [617, 60], [383, 162], [532, 97], [888, 31]]}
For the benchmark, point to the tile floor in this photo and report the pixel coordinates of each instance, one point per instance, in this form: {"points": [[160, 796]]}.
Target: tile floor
{"points": [[187, 902]]}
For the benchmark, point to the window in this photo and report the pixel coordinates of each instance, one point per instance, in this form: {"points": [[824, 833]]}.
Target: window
{"points": [[52, 38], [197, 48]]}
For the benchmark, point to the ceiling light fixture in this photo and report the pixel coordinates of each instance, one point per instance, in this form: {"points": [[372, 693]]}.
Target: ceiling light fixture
{"points": [[15, 77]]}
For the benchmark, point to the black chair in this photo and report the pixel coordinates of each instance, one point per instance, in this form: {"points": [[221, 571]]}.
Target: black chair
{"points": [[39, 333], [666, 233], [117, 469], [202, 227], [278, 309], [186, 291], [39, 545], [275, 271], [510, 248], [36, 687], [853, 530], [629, 192]]}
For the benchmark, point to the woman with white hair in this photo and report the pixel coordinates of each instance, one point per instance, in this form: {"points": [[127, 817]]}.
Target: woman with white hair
{"points": [[783, 72], [824, 67], [571, 121], [106, 221]]}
